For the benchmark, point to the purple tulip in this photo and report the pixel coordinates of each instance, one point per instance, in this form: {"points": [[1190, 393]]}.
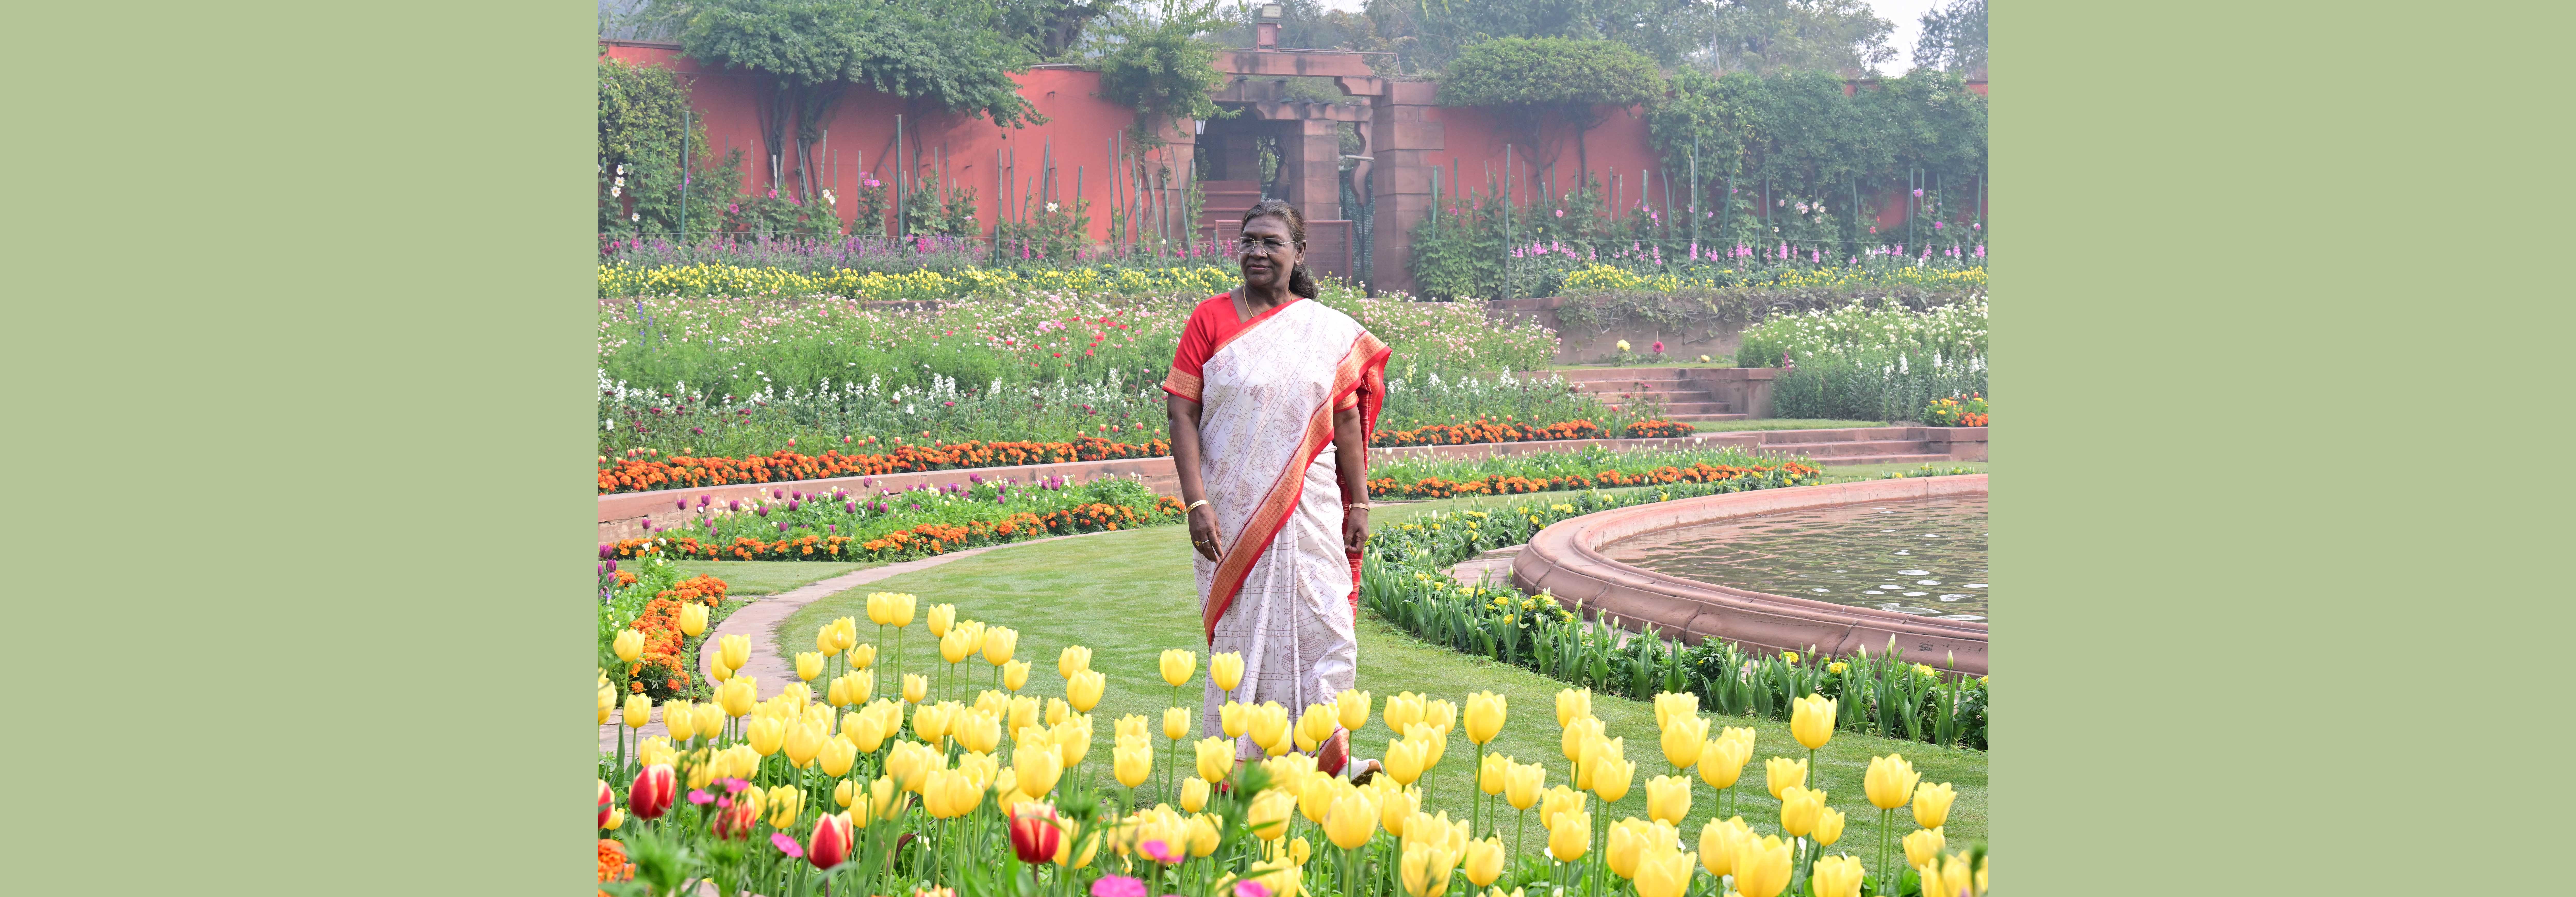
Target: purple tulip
{"points": [[683, 504], [704, 499], [607, 551], [762, 510], [734, 505], [975, 477], [782, 526], [849, 507]]}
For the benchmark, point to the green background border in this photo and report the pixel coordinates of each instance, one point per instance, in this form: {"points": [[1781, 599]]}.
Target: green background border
{"points": [[286, 278]]}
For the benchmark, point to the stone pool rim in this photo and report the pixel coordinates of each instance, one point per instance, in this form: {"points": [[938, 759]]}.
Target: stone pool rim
{"points": [[1566, 560]]}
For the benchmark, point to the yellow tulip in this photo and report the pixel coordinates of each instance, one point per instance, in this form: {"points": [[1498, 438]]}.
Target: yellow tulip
{"points": [[1225, 668], [784, 803], [909, 764], [1176, 723], [838, 753], [1721, 762], [656, 751], [1404, 759], [1559, 801], [1523, 783], [900, 607], [1130, 726], [1075, 659], [809, 664], [1426, 870], [1073, 738], [1581, 730], [1485, 712], [607, 700], [1318, 794], [1352, 708], [1829, 826], [1611, 777], [930, 722], [629, 644], [1798, 810], [1593, 750], [1201, 831], [863, 731], [1627, 841], [1015, 675], [977, 730], [1571, 836], [1132, 760], [1483, 861], [846, 792], [1947, 876], [1717, 843], [693, 619], [1396, 805], [1178, 664], [804, 742], [1836, 876], [638, 711], [1268, 815], [999, 643], [1782, 774], [1668, 798], [1215, 758], [1932, 804], [1492, 773], [1890, 781], [862, 656], [1440, 715], [1233, 719], [767, 735], [956, 645], [1685, 737], [1036, 765], [733, 651], [943, 620], [1057, 710], [1761, 867], [1083, 691], [1573, 704], [1403, 710], [720, 673], [1811, 721], [1316, 726], [681, 717], [1194, 794], [1663, 872], [1922, 846], [951, 793], [1672, 705], [880, 610], [845, 633], [915, 687], [1352, 819], [1269, 724]]}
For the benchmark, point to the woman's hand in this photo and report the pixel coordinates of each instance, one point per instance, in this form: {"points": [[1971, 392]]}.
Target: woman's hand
{"points": [[1203, 531], [1354, 530]]}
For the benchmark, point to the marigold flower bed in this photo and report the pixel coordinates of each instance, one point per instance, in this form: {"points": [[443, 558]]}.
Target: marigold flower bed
{"points": [[919, 541], [1502, 484]]}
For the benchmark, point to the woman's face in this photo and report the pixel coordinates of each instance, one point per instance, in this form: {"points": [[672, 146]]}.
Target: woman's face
{"points": [[1267, 254]]}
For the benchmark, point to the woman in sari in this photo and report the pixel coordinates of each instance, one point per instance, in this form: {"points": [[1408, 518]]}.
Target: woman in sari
{"points": [[1263, 382]]}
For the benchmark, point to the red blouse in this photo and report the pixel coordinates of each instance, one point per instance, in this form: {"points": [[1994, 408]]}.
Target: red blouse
{"points": [[1213, 324]]}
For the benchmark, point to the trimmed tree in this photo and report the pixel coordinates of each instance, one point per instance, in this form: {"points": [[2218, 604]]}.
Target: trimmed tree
{"points": [[1552, 82]]}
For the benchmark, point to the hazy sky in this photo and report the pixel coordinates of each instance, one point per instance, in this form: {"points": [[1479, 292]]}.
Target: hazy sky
{"points": [[1906, 14]]}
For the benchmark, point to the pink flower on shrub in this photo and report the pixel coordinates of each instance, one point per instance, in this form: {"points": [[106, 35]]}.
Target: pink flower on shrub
{"points": [[1117, 886], [787, 845]]}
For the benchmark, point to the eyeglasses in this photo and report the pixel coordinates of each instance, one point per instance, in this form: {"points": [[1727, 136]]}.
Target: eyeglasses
{"points": [[1249, 244]]}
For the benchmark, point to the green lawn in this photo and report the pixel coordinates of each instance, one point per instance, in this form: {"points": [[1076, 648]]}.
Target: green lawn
{"points": [[1785, 423], [1874, 471], [1130, 595], [768, 577]]}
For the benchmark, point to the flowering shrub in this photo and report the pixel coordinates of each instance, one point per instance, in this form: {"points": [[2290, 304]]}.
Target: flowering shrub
{"points": [[1482, 431], [1867, 363], [892, 525], [1957, 411], [640, 471], [1507, 484], [1658, 429], [643, 603]]}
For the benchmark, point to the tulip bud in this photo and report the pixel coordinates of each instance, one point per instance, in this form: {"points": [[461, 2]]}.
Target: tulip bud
{"points": [[1035, 836], [1194, 794], [639, 711], [1571, 836], [693, 619], [1269, 726], [1015, 675], [830, 843], [957, 644], [1922, 846], [1131, 761], [1225, 668], [656, 750], [785, 803], [1404, 759], [1233, 719], [1798, 810], [1889, 782], [1268, 815], [1316, 726], [1782, 774], [1684, 737], [915, 688], [1625, 845], [720, 673], [1572, 704], [804, 742], [629, 644], [1761, 867], [1492, 774], [1483, 862], [1663, 872], [836, 755], [1523, 783], [1721, 762], [1403, 710], [1668, 798], [1811, 721], [943, 619], [1073, 738], [651, 795], [1083, 691], [615, 818], [862, 656], [1485, 711], [733, 651], [1177, 666], [809, 664], [1717, 842], [1829, 826], [1074, 659], [1425, 869], [767, 735], [999, 643], [607, 803], [1352, 709], [1932, 804], [1352, 819]]}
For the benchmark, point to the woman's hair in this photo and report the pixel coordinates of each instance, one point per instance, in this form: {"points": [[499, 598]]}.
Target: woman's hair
{"points": [[1299, 281]]}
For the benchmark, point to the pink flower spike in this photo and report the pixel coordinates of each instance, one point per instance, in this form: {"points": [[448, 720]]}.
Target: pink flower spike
{"points": [[700, 797], [1251, 889], [787, 845], [1117, 886]]}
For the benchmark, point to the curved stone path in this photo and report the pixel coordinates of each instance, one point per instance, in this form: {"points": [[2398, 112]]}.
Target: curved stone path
{"points": [[759, 620]]}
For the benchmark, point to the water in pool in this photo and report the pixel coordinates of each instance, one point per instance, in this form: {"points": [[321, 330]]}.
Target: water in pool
{"points": [[1914, 557]]}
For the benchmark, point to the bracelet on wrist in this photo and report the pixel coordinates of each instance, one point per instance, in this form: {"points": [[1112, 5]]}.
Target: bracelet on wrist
{"points": [[1194, 506]]}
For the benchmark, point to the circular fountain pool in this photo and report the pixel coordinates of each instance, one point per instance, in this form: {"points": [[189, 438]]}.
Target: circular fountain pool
{"points": [[1925, 558]]}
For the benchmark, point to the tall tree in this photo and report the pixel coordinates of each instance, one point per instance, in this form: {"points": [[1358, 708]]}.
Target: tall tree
{"points": [[1162, 61], [1767, 36], [1552, 81], [1954, 37], [1050, 28]]}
